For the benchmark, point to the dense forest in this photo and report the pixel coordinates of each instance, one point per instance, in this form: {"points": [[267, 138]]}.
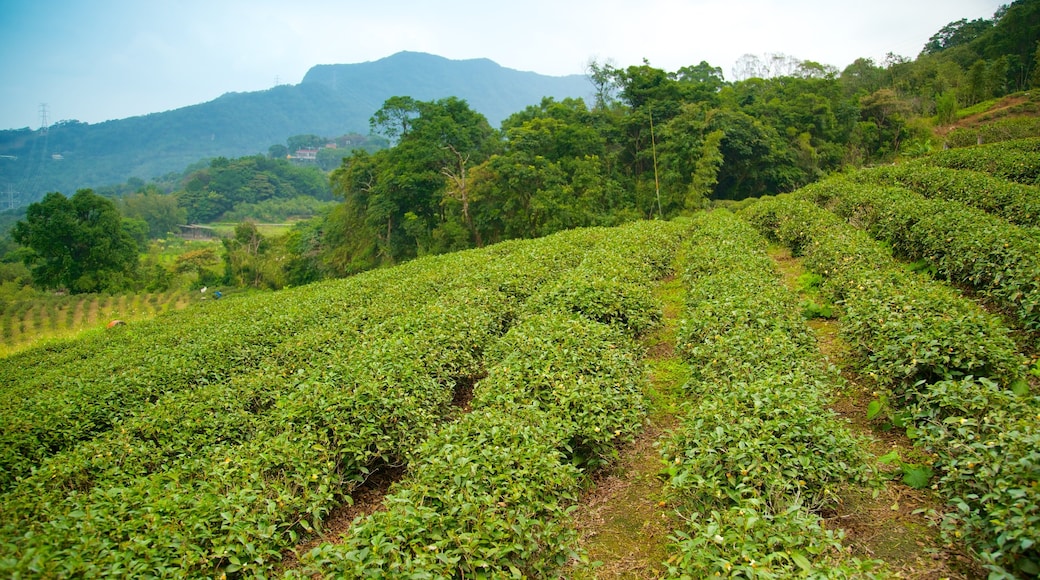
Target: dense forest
{"points": [[649, 143]]}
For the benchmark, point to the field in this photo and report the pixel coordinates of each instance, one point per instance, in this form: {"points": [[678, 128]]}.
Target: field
{"points": [[795, 364], [24, 322]]}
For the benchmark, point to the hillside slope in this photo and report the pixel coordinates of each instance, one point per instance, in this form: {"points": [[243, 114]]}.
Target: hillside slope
{"points": [[331, 100]]}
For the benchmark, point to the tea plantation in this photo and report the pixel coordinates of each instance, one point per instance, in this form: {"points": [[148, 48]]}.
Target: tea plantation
{"points": [[217, 440]]}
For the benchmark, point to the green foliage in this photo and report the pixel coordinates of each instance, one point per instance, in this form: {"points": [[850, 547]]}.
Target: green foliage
{"points": [[1017, 203], [758, 452], [973, 414], [159, 211], [913, 475], [1017, 160], [963, 244], [488, 500], [749, 541], [69, 314], [906, 328], [266, 411], [946, 108], [211, 192], [79, 244]]}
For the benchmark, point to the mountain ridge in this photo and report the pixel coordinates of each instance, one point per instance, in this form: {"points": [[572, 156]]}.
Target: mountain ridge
{"points": [[331, 100]]}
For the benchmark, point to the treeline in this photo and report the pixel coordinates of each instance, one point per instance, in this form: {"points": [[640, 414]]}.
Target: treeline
{"points": [[653, 143], [650, 143], [115, 241], [227, 183]]}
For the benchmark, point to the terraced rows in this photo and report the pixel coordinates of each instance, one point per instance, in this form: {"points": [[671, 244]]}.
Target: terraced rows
{"points": [[953, 378], [758, 454], [220, 467]]}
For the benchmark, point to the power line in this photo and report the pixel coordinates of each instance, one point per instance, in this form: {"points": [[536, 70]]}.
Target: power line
{"points": [[43, 118]]}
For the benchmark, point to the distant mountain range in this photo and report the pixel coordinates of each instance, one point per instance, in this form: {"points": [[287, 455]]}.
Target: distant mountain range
{"points": [[331, 100]]}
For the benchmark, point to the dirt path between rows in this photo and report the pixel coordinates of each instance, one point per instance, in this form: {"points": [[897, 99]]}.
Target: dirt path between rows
{"points": [[897, 525], [622, 520]]}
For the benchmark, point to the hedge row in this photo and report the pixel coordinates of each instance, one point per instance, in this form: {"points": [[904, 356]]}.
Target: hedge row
{"points": [[996, 131], [489, 495], [962, 244], [758, 453], [905, 327], [1015, 202], [224, 476], [949, 368], [1017, 160]]}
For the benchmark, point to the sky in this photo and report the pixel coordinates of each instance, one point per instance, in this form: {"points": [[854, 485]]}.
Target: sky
{"points": [[96, 60]]}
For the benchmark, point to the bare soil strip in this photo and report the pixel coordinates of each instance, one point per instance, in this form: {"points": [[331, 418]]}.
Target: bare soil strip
{"points": [[622, 520], [897, 524]]}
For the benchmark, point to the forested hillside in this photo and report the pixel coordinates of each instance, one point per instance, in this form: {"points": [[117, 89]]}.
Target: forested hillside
{"points": [[332, 100]]}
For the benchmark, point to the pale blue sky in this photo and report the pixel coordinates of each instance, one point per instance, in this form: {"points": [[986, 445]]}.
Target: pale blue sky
{"points": [[95, 60]]}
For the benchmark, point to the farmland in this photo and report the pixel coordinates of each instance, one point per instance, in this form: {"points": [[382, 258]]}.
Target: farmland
{"points": [[23, 322], [498, 383]]}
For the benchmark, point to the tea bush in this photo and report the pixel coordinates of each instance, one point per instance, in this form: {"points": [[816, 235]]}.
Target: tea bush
{"points": [[1015, 202], [757, 453], [1017, 160], [951, 371], [962, 244]]}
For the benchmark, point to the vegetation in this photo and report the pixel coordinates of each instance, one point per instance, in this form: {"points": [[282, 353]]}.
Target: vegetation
{"points": [[1016, 203], [397, 344], [80, 244], [965, 245], [951, 374], [1016, 160], [758, 455], [497, 365], [24, 321], [331, 100]]}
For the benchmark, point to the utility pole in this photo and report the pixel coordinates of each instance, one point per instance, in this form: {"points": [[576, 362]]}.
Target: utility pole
{"points": [[653, 148], [10, 197], [44, 125]]}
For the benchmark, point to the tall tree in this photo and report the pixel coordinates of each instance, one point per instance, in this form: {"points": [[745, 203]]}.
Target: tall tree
{"points": [[160, 211], [78, 244]]}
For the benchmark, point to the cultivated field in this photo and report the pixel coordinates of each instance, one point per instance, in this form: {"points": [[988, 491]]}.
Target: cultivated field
{"points": [[494, 387]]}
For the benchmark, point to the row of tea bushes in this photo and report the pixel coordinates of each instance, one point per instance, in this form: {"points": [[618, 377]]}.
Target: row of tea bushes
{"points": [[950, 370], [223, 476], [997, 131], [1015, 202], [1017, 160], [905, 327], [758, 454], [489, 495], [962, 244], [227, 474]]}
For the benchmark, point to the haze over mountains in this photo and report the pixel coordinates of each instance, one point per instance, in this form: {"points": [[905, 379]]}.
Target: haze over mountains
{"points": [[331, 100]]}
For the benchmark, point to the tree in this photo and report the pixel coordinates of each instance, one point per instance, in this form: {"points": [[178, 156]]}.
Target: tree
{"points": [[1035, 79], [247, 259], [79, 244], [946, 108], [159, 211], [863, 76], [956, 33], [394, 119], [297, 142]]}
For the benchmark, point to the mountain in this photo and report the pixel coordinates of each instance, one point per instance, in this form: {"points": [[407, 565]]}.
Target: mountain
{"points": [[331, 100]]}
